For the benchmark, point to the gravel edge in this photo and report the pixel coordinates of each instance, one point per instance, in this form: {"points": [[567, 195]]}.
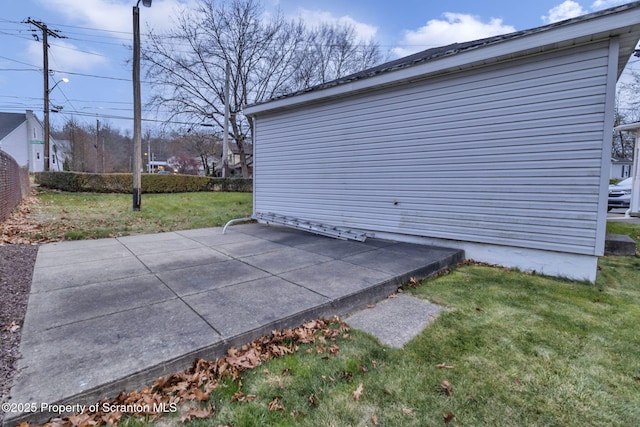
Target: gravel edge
{"points": [[16, 270]]}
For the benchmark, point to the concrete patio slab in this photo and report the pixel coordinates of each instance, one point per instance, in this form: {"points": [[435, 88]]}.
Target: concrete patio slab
{"points": [[128, 310], [67, 275], [250, 305], [81, 356], [286, 259], [193, 280], [73, 255], [60, 307], [159, 261], [338, 278]]}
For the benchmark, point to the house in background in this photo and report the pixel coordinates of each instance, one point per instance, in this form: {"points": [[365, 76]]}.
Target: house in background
{"points": [[527, 118], [235, 167], [22, 137], [620, 168]]}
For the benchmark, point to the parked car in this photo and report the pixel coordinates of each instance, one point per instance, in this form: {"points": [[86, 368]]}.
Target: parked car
{"points": [[620, 194]]}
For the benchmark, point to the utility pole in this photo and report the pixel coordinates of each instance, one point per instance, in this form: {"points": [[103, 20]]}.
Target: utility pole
{"points": [[137, 109], [137, 113], [97, 144], [46, 32]]}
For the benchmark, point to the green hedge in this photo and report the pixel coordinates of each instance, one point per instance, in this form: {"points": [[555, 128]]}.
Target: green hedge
{"points": [[151, 183]]}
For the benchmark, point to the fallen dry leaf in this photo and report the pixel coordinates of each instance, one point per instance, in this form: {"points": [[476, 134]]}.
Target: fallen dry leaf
{"points": [[310, 325], [449, 417], [82, 420], [444, 366], [196, 383], [346, 375], [334, 349], [241, 397], [12, 327], [358, 392], [313, 399], [445, 387], [374, 420], [199, 395], [112, 417], [275, 404], [195, 413]]}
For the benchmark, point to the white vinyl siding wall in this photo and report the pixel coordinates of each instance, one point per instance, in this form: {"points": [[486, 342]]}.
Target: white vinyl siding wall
{"points": [[509, 154]]}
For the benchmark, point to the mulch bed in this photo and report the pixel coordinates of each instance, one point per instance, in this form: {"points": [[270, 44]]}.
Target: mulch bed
{"points": [[16, 270]]}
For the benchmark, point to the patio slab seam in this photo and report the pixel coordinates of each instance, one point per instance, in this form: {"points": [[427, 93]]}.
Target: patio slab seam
{"points": [[105, 315]]}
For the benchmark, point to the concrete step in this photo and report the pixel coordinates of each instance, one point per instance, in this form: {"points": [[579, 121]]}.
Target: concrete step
{"points": [[619, 244]]}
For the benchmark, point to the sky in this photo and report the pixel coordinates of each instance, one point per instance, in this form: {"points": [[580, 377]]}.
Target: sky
{"points": [[95, 55]]}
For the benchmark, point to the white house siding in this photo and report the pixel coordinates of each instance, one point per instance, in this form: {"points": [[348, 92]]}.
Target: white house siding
{"points": [[14, 145], [509, 154]]}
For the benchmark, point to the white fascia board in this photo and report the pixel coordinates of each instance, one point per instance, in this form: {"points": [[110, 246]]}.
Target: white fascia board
{"points": [[579, 32], [629, 126]]}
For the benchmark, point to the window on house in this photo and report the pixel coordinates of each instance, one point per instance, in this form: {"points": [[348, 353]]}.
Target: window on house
{"points": [[626, 171]]}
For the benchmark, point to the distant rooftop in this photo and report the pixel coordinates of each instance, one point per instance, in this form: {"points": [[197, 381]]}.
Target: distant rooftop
{"points": [[9, 122]]}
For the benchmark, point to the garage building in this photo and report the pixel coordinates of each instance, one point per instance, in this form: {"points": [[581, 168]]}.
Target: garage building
{"points": [[499, 146]]}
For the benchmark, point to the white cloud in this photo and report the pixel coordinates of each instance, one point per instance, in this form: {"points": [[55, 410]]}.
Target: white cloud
{"points": [[316, 17], [455, 28], [566, 10], [603, 4], [66, 56], [570, 9], [115, 15]]}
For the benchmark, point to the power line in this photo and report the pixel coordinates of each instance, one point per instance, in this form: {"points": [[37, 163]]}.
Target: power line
{"points": [[20, 62]]}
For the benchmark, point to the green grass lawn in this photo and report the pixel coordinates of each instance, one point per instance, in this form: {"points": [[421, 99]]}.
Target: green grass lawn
{"points": [[523, 350], [520, 349], [76, 216]]}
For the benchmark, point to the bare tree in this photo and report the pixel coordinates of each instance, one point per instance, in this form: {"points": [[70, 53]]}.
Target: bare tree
{"points": [[81, 146], [266, 58], [198, 145], [623, 142], [626, 111], [333, 51]]}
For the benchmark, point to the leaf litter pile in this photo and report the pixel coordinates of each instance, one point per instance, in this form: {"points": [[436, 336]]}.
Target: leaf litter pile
{"points": [[22, 228], [189, 391]]}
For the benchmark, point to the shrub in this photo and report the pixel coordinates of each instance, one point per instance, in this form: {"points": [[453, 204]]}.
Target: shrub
{"points": [[151, 183]]}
